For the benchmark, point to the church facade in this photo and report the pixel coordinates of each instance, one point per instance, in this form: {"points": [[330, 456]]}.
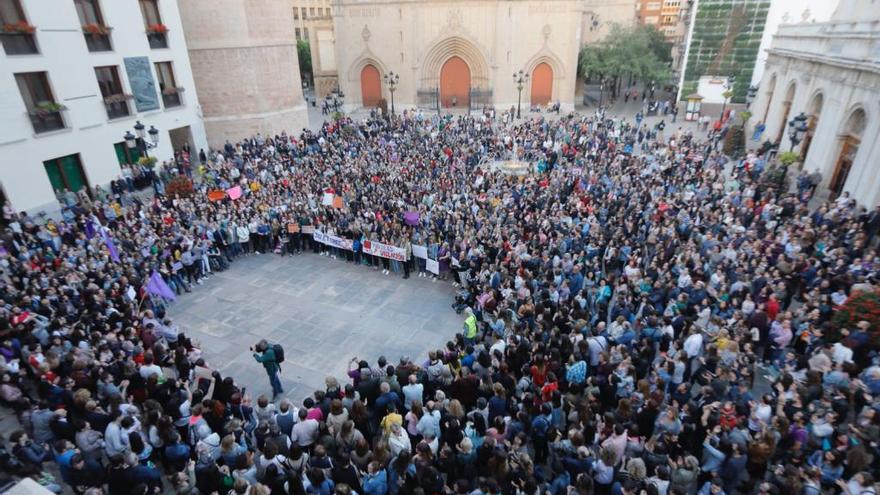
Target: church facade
{"points": [[452, 54]]}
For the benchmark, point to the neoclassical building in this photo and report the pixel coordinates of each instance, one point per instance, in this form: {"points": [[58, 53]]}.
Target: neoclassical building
{"points": [[829, 71], [456, 53]]}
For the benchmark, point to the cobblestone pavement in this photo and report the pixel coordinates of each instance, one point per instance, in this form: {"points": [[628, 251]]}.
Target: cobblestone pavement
{"points": [[323, 311]]}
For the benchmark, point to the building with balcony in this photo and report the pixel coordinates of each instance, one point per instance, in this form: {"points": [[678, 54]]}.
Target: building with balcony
{"points": [[75, 76], [830, 73]]}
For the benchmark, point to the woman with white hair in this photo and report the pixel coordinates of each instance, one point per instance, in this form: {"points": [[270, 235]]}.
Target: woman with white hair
{"points": [[398, 440]]}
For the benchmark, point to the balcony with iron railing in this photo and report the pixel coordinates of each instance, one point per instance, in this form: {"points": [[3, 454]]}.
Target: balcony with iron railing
{"points": [[172, 97], [18, 38], [47, 117], [157, 35], [118, 106]]}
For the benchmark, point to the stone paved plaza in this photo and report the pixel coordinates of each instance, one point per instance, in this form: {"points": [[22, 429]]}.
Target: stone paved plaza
{"points": [[323, 311]]}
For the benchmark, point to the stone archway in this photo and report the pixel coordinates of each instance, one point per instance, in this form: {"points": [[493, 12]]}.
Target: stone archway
{"points": [[786, 109], [456, 46], [542, 84], [849, 141], [455, 83], [770, 89], [371, 86], [813, 113]]}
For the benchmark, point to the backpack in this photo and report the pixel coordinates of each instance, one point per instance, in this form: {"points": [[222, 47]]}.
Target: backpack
{"points": [[279, 353]]}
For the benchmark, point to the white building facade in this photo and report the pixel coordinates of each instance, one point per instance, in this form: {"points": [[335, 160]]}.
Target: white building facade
{"points": [[830, 72], [75, 77]]}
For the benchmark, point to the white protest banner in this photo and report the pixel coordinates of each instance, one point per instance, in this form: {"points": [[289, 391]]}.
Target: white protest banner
{"points": [[420, 251], [332, 240], [433, 266], [308, 229], [384, 250]]}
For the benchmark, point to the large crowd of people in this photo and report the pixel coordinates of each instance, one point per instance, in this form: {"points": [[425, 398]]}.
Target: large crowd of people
{"points": [[642, 318]]}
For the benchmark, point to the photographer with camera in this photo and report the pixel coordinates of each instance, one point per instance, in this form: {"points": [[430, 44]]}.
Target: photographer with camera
{"points": [[268, 356]]}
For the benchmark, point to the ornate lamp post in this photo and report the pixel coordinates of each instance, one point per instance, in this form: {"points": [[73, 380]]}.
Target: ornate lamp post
{"points": [[391, 80], [139, 137], [750, 95], [519, 78], [797, 128], [728, 87]]}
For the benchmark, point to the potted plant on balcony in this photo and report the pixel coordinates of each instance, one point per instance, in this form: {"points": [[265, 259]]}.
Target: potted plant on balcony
{"points": [[46, 108], [117, 98], [158, 28], [96, 29], [20, 27], [147, 161]]}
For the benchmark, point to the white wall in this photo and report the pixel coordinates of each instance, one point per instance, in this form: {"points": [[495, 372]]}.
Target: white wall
{"points": [[70, 66], [789, 12]]}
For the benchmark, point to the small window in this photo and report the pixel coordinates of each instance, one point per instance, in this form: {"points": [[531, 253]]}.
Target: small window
{"points": [[311, 12], [43, 110], [115, 100], [306, 34], [16, 33], [157, 33], [295, 14], [303, 12], [298, 33], [171, 96], [97, 33]]}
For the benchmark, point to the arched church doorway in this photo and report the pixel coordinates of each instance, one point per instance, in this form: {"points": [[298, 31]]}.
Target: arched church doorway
{"points": [[371, 86], [850, 139], [542, 84], [455, 83]]}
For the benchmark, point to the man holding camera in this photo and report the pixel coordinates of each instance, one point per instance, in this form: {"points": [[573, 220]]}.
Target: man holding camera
{"points": [[265, 354]]}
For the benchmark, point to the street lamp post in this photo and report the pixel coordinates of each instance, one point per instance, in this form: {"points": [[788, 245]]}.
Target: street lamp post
{"points": [[727, 94], [601, 91], [519, 78], [797, 128], [391, 79], [139, 138], [750, 95]]}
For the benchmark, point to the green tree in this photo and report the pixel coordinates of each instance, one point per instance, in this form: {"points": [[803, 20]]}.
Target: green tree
{"points": [[304, 53], [657, 42], [626, 51]]}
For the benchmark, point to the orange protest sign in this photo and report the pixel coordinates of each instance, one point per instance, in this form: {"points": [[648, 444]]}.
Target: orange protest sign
{"points": [[292, 228], [216, 195], [337, 201]]}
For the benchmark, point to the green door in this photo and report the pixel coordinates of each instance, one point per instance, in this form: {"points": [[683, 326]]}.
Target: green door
{"points": [[66, 173], [54, 174], [73, 172]]}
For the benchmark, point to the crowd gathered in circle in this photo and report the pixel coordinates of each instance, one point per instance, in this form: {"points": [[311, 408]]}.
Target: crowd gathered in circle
{"points": [[642, 318]]}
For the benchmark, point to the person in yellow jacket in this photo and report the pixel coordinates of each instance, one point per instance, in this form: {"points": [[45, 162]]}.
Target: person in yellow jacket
{"points": [[470, 326]]}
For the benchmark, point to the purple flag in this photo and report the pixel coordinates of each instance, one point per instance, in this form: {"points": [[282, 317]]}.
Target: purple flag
{"points": [[411, 218], [157, 287], [114, 254], [90, 229]]}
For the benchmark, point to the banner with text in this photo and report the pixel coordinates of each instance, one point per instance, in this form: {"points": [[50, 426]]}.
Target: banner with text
{"points": [[332, 240], [384, 250]]}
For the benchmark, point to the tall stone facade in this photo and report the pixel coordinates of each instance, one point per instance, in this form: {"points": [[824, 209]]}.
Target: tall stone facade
{"points": [[452, 53], [827, 71], [244, 63]]}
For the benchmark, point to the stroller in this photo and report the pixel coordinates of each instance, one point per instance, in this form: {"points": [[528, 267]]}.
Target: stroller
{"points": [[463, 299]]}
